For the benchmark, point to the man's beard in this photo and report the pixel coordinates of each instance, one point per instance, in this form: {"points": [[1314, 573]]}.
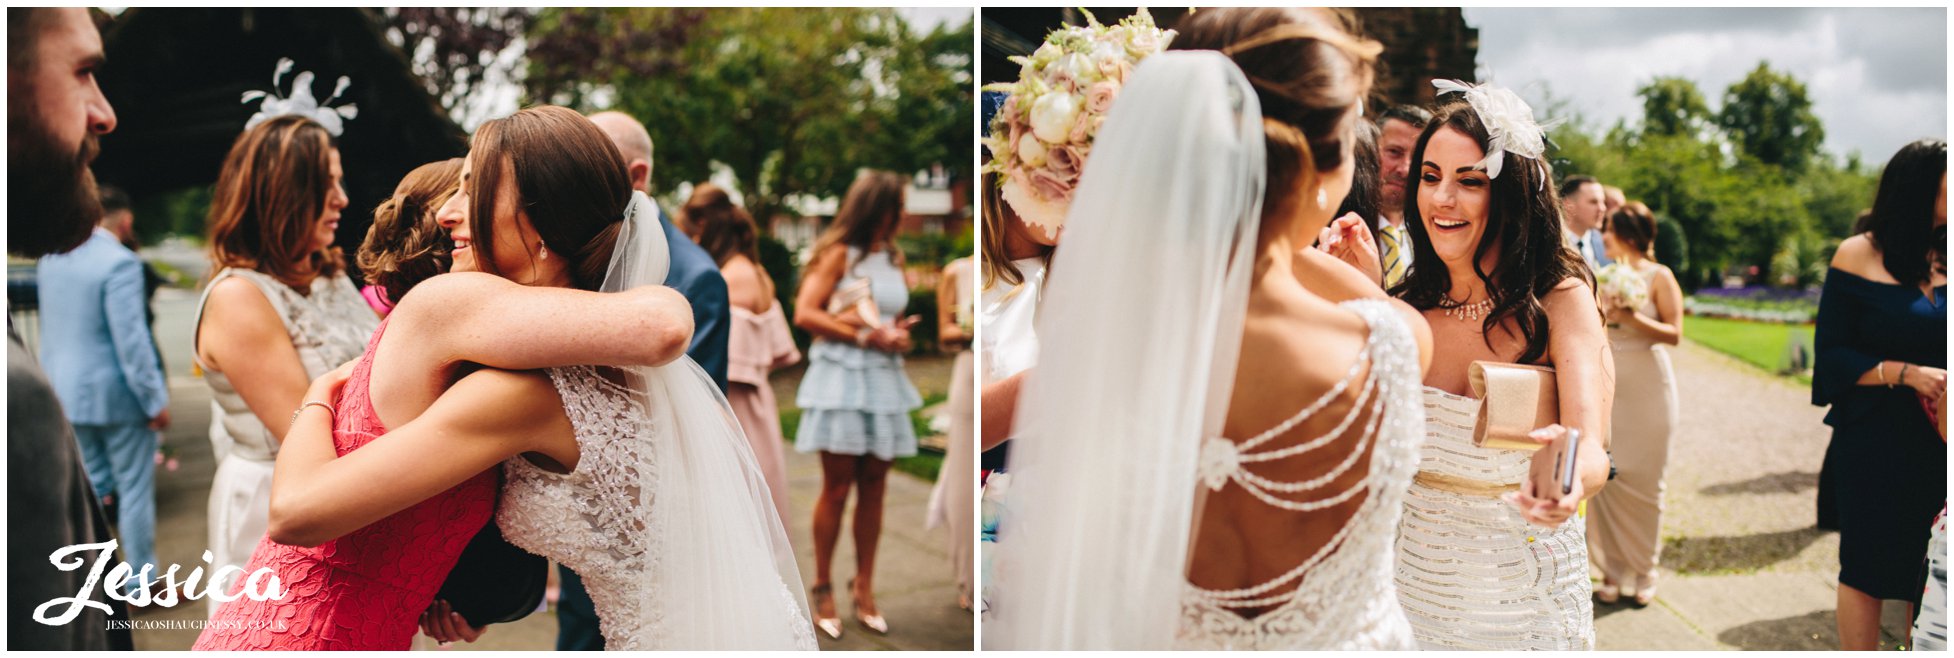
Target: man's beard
{"points": [[52, 204]]}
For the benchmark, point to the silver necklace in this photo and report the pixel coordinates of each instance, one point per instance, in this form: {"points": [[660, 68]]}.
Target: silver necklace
{"points": [[1473, 312]]}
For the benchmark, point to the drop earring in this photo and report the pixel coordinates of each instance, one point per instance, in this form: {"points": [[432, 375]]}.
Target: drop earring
{"points": [[1322, 197], [545, 249]]}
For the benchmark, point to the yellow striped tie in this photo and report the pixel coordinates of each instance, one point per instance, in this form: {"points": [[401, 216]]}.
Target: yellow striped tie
{"points": [[1393, 258]]}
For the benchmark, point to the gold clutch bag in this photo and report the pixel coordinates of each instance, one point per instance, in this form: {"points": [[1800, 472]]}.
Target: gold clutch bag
{"points": [[1514, 399], [858, 297]]}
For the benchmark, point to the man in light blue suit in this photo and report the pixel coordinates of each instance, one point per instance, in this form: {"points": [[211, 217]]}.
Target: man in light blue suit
{"points": [[96, 346]]}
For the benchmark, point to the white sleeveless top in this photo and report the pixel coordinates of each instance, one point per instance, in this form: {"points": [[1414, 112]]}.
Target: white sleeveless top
{"points": [[1008, 316], [1346, 597], [328, 327]]}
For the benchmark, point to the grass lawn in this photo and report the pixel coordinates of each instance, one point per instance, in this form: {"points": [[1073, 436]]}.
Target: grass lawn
{"points": [[1757, 343]]}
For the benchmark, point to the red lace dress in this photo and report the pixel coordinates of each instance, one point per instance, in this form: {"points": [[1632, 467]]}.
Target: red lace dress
{"points": [[365, 590]]}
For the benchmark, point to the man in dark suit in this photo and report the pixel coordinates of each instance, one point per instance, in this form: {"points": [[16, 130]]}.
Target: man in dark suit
{"points": [[55, 113], [693, 274]]}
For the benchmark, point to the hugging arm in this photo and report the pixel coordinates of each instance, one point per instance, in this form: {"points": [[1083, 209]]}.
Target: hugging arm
{"points": [[485, 418], [481, 318]]}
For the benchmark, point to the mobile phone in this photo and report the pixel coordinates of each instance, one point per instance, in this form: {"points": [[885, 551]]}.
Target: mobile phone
{"points": [[1569, 460]]}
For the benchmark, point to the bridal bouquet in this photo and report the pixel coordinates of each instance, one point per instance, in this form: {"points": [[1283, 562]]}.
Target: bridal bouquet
{"points": [[1041, 136], [1621, 287]]}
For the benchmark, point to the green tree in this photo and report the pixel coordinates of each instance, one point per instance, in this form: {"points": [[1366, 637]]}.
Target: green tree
{"points": [[792, 101], [1673, 106], [1769, 116]]}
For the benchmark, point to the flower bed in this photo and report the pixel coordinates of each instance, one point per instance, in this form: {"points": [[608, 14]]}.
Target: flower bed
{"points": [[1755, 304]]}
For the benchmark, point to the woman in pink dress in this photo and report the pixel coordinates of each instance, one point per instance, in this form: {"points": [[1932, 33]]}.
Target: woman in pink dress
{"points": [[759, 342]]}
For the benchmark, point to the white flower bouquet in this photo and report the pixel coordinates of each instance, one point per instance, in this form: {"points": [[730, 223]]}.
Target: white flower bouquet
{"points": [[1621, 287], [1041, 136]]}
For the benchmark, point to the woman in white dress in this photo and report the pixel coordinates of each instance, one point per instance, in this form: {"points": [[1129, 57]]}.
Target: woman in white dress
{"points": [[279, 312], [1216, 459], [1490, 554], [634, 475]]}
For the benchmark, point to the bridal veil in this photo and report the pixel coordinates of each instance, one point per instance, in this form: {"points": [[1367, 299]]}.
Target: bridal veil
{"points": [[1140, 329]]}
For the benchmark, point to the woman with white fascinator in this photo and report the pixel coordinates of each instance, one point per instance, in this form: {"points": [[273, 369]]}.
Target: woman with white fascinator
{"points": [[1250, 441], [1491, 554]]}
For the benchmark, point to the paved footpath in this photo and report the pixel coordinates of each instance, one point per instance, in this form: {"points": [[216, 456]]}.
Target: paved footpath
{"points": [[917, 591], [1742, 565]]}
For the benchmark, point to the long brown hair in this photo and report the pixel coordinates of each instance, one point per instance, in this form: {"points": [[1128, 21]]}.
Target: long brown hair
{"points": [[405, 246], [1309, 74], [873, 203], [570, 180], [269, 197], [1524, 222], [721, 227], [997, 220]]}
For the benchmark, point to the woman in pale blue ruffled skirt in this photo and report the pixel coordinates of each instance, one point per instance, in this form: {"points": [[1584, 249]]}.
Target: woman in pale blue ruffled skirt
{"points": [[855, 398]]}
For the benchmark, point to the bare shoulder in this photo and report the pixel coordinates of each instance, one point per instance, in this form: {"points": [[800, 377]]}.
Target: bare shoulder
{"points": [[830, 259], [451, 288], [1666, 276], [1858, 255], [1333, 279], [238, 294], [242, 310], [743, 285], [740, 272], [1571, 297], [1421, 332]]}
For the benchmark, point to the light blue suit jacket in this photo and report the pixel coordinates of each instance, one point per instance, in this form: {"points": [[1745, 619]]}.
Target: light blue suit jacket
{"points": [[95, 342]]}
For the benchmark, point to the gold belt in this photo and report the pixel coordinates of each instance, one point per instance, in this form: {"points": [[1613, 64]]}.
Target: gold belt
{"points": [[1462, 486]]}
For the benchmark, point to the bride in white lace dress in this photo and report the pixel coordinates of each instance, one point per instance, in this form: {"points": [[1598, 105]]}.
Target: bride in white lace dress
{"points": [[634, 474], [1217, 458]]}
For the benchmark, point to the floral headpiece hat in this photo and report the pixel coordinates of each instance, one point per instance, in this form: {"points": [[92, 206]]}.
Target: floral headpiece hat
{"points": [[1041, 136], [301, 101], [1510, 127]]}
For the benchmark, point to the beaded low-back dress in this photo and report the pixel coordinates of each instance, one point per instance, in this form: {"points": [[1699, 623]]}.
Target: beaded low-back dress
{"points": [[1341, 596]]}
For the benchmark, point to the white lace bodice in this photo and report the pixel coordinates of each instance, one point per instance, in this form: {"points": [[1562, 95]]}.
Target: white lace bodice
{"points": [[591, 519], [1344, 596]]}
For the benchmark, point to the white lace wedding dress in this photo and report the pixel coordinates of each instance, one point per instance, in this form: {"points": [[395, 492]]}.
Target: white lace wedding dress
{"points": [[666, 514], [1343, 595], [589, 519]]}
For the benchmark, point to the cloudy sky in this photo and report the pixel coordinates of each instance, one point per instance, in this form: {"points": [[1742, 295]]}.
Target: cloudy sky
{"points": [[1877, 77]]}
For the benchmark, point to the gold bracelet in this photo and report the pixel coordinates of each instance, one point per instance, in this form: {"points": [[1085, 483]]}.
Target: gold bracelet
{"points": [[1882, 374], [330, 414]]}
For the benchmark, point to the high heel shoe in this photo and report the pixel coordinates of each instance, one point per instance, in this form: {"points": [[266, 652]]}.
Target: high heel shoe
{"points": [[872, 622], [1645, 592], [1607, 593], [828, 625]]}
